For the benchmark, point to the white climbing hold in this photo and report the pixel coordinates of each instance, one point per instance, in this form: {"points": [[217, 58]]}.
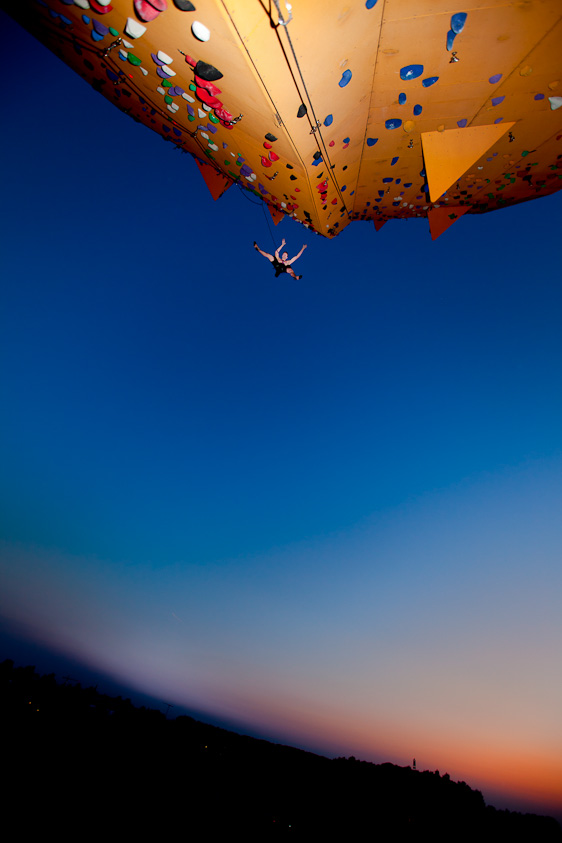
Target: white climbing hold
{"points": [[201, 113], [123, 54], [555, 102], [173, 107], [161, 90], [103, 2], [187, 97], [205, 135], [82, 4], [126, 44], [206, 107], [168, 70], [164, 57], [214, 147], [134, 29], [144, 71], [200, 31]]}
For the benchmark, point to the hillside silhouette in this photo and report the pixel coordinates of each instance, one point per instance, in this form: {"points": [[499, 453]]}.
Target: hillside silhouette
{"points": [[90, 764]]}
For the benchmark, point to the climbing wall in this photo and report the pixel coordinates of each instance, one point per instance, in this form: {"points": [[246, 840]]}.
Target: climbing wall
{"points": [[329, 111]]}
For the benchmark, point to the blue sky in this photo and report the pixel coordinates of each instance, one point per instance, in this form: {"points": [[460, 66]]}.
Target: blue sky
{"points": [[326, 509]]}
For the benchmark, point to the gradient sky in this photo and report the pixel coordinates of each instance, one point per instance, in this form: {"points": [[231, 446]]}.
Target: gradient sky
{"points": [[326, 511]]}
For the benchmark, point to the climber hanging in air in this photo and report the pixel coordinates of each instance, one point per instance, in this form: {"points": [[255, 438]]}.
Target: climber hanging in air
{"points": [[281, 263]]}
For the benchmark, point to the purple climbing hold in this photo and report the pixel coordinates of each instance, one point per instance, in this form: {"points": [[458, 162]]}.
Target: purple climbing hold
{"points": [[394, 123], [539, 96], [401, 99], [329, 120], [211, 128], [417, 110], [245, 170], [394, 160], [498, 119], [100, 27], [345, 78], [462, 123], [190, 111], [497, 100], [156, 60], [371, 141], [162, 73], [495, 78], [411, 71]]}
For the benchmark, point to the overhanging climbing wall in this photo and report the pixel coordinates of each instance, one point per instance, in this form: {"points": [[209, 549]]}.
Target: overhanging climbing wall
{"points": [[330, 111]]}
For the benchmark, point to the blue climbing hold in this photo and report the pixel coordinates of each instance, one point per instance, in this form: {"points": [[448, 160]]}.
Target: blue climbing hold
{"points": [[422, 173], [387, 179], [498, 119], [431, 80], [370, 3], [344, 188], [462, 123], [329, 120], [371, 141], [394, 123], [317, 161], [345, 78], [409, 184], [401, 99], [86, 19], [495, 78], [345, 140], [497, 100], [394, 160], [111, 75], [417, 110], [177, 132], [398, 181], [96, 36], [381, 192], [451, 35], [411, 71], [539, 96], [457, 22]]}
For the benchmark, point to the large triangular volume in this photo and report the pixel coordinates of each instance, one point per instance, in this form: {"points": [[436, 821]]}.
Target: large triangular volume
{"points": [[379, 224], [276, 214], [441, 218], [448, 155], [216, 182]]}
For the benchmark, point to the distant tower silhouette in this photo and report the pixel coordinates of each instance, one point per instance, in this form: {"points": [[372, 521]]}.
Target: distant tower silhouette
{"points": [[414, 765]]}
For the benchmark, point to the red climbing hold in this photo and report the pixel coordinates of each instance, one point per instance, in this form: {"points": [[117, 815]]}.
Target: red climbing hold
{"points": [[146, 11], [101, 10], [212, 89], [223, 114], [273, 156], [205, 97], [266, 145], [265, 162], [190, 61]]}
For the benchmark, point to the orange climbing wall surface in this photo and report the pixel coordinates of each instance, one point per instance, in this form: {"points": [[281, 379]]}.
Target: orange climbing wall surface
{"points": [[365, 109]]}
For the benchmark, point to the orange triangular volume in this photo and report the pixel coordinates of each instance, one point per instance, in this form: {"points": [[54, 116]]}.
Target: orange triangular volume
{"points": [[448, 155], [441, 218], [216, 182], [379, 224], [276, 214]]}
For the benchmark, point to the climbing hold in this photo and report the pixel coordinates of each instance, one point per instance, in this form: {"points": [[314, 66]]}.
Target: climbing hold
{"points": [[539, 96], [332, 143], [302, 110], [555, 102], [100, 27], [212, 89], [371, 141], [201, 114], [394, 123], [134, 29], [271, 138], [495, 78], [387, 179], [417, 110], [101, 8], [134, 59], [86, 19], [431, 80], [161, 58], [345, 79], [96, 35], [165, 72], [82, 4], [329, 120], [273, 156], [200, 31], [265, 162], [526, 71], [146, 11], [317, 155], [394, 160], [266, 145], [370, 3], [409, 126], [462, 123], [497, 100], [451, 35], [458, 22], [184, 5], [411, 71], [401, 99]]}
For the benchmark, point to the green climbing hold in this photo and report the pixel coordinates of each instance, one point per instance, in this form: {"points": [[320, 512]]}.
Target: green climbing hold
{"points": [[113, 32], [191, 117], [192, 87], [134, 59], [168, 99], [166, 83], [524, 153], [213, 119]]}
